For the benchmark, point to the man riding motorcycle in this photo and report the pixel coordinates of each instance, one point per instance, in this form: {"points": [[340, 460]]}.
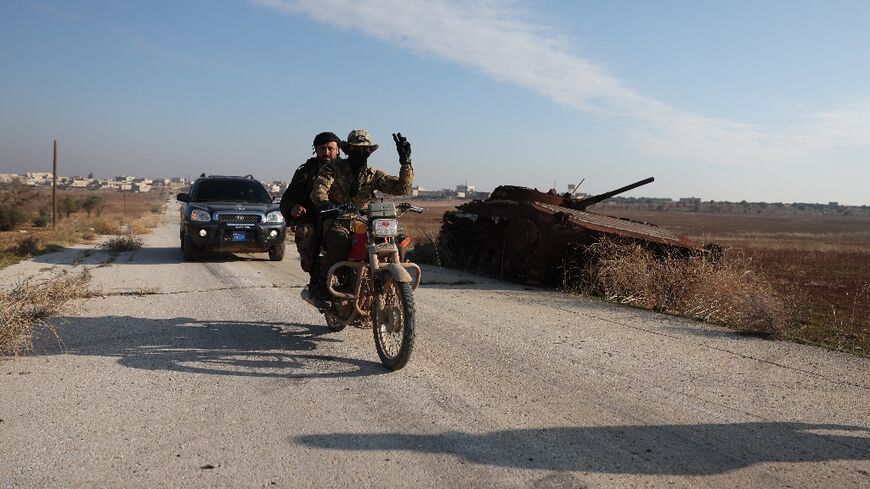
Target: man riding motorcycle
{"points": [[301, 214], [353, 182]]}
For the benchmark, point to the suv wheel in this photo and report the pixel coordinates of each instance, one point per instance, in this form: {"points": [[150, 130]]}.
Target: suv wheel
{"points": [[276, 253]]}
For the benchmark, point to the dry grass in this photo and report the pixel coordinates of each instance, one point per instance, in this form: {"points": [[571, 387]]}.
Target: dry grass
{"points": [[133, 213], [106, 226], [118, 244], [23, 309], [722, 291]]}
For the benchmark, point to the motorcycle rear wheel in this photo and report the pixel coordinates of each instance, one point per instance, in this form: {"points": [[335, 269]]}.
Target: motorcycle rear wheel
{"points": [[393, 324]]}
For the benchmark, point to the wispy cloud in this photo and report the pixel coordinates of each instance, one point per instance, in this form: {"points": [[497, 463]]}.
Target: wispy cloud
{"points": [[495, 37]]}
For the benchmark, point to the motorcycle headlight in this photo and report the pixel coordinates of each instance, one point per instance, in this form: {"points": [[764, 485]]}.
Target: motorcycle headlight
{"points": [[385, 227], [275, 216], [199, 215]]}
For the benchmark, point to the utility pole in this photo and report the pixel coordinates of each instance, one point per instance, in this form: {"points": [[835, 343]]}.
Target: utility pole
{"points": [[54, 188]]}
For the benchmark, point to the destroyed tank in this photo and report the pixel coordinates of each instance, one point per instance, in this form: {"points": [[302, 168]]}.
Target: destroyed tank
{"points": [[528, 236]]}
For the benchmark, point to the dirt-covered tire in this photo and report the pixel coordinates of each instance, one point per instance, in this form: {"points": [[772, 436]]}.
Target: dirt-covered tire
{"points": [[394, 309], [276, 253], [190, 254]]}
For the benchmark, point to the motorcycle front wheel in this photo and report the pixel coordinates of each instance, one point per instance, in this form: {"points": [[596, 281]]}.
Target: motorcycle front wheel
{"points": [[393, 324]]}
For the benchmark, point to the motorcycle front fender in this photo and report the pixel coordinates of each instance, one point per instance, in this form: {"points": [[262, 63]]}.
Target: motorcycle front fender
{"points": [[398, 273]]}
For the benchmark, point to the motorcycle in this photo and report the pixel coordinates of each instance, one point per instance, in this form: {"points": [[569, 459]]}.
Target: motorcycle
{"points": [[373, 286]]}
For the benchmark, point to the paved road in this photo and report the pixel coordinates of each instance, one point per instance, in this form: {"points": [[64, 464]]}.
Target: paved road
{"points": [[216, 374]]}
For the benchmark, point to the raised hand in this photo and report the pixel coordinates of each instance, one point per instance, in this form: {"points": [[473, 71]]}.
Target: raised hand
{"points": [[403, 147]]}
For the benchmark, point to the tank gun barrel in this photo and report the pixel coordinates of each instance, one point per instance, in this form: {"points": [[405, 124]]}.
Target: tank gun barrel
{"points": [[589, 201]]}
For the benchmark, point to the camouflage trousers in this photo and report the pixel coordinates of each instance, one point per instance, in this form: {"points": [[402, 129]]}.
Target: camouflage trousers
{"points": [[336, 240], [304, 237]]}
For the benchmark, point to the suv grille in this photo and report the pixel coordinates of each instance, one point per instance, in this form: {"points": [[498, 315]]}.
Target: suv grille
{"points": [[239, 218]]}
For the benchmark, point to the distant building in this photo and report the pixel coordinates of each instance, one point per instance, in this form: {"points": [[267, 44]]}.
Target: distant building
{"points": [[464, 191]]}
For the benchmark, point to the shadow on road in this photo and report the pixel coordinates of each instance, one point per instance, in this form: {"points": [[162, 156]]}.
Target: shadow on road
{"points": [[247, 349], [142, 256], [701, 449], [158, 256]]}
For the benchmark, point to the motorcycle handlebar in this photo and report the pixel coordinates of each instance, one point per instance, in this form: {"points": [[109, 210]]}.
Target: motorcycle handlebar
{"points": [[403, 207]]}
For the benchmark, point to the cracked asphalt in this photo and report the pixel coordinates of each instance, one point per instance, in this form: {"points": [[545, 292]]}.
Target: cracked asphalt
{"points": [[216, 374]]}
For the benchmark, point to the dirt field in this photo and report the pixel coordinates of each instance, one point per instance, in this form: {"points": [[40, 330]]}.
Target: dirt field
{"points": [[819, 264], [127, 213]]}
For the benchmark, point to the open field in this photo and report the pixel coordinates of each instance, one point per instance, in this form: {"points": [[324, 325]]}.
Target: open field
{"points": [[819, 265], [117, 213]]}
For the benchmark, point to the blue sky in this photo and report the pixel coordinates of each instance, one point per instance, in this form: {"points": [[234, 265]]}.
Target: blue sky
{"points": [[728, 101]]}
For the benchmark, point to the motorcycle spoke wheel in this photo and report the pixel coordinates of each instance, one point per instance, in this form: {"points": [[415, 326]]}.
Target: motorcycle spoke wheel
{"points": [[393, 324]]}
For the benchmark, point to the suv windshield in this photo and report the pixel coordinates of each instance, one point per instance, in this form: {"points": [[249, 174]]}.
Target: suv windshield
{"points": [[230, 191]]}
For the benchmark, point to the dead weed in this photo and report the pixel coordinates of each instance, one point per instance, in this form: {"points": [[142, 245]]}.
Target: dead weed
{"points": [[117, 244], [24, 309], [722, 291]]}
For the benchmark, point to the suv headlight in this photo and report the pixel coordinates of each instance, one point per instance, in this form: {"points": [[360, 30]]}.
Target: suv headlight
{"points": [[275, 216], [385, 227], [199, 215]]}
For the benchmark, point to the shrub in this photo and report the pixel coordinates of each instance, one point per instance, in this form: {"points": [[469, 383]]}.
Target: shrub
{"points": [[724, 291], [105, 226], [27, 246], [91, 203], [68, 205], [41, 221], [25, 308], [11, 216], [122, 243], [138, 227]]}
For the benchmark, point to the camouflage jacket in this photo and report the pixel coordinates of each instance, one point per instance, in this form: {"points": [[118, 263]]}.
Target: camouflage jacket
{"points": [[337, 183], [299, 191]]}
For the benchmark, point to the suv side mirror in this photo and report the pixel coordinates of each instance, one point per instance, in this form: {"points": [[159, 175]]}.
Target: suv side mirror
{"points": [[183, 197]]}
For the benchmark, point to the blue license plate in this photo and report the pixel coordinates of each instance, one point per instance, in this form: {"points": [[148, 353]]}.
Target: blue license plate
{"points": [[240, 236]]}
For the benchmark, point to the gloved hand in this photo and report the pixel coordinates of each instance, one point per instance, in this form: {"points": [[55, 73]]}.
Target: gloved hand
{"points": [[403, 147], [327, 206]]}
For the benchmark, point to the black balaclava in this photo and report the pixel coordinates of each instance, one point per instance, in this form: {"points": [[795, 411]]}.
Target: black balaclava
{"points": [[357, 159], [358, 156]]}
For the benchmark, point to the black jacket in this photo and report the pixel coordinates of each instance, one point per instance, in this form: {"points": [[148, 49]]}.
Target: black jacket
{"points": [[299, 192]]}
